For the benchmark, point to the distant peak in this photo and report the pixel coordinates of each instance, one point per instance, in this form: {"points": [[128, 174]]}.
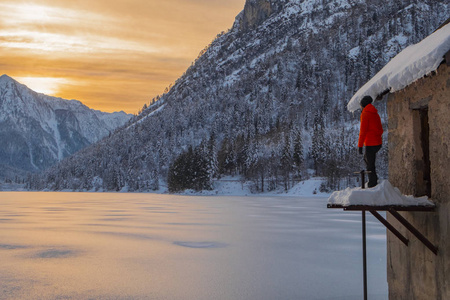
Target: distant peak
{"points": [[6, 77], [7, 80]]}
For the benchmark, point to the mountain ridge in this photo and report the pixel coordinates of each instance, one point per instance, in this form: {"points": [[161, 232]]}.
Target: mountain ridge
{"points": [[39, 130]]}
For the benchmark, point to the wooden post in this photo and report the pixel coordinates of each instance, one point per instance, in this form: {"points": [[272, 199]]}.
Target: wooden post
{"points": [[364, 253], [363, 179]]}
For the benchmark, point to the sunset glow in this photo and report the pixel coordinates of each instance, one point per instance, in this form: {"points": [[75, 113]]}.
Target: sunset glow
{"points": [[45, 85], [109, 55]]}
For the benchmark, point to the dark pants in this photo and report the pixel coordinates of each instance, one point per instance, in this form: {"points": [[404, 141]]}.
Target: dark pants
{"points": [[369, 158]]}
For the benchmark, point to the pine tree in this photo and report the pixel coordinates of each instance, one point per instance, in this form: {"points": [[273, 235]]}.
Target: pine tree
{"points": [[318, 151], [190, 171], [201, 176], [286, 162], [212, 157], [297, 155], [226, 158]]}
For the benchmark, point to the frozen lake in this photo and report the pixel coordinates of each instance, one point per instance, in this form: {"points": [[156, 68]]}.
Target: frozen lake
{"points": [[148, 246]]}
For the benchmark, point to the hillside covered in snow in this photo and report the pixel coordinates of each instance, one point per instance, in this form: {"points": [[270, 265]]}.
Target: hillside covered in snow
{"points": [[37, 131], [266, 100]]}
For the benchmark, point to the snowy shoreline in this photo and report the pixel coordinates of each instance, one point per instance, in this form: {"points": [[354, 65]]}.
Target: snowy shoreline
{"points": [[226, 186]]}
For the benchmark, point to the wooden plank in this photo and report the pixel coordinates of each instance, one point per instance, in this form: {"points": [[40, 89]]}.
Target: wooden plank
{"points": [[382, 208], [414, 231], [390, 227]]}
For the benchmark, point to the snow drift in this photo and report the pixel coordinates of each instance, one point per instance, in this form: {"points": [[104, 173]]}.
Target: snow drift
{"points": [[381, 195]]}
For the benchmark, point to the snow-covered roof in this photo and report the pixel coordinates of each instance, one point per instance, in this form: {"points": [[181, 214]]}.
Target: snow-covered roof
{"points": [[411, 64], [384, 194]]}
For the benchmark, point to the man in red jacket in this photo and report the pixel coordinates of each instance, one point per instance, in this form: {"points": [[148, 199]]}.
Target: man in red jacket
{"points": [[370, 136]]}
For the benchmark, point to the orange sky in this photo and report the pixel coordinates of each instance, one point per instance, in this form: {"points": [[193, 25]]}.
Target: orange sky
{"points": [[110, 54]]}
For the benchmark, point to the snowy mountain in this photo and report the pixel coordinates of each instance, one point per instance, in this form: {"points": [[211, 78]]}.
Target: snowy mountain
{"points": [[265, 100], [37, 131]]}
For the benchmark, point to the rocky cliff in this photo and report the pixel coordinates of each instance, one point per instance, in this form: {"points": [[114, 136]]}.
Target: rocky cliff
{"points": [[255, 12]]}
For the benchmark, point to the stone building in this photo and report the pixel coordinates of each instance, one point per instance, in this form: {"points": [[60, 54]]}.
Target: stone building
{"points": [[419, 164], [418, 108]]}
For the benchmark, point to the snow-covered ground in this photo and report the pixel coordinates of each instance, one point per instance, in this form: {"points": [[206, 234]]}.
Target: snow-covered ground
{"points": [[233, 186], [154, 246], [11, 187]]}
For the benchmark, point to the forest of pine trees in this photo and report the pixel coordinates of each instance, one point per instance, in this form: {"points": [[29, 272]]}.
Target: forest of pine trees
{"points": [[273, 161]]}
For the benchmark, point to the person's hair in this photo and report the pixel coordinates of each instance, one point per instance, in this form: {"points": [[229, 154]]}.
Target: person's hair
{"points": [[366, 100]]}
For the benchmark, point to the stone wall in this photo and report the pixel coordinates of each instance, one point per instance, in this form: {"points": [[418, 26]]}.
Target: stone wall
{"points": [[414, 272]]}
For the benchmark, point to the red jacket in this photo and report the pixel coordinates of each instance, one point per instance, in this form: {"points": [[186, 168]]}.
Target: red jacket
{"points": [[371, 129]]}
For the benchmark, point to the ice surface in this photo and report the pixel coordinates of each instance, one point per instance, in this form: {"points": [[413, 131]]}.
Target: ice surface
{"points": [[381, 195], [149, 246], [411, 64], [200, 244]]}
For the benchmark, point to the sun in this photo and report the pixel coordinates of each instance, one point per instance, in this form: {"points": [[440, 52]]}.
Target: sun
{"points": [[46, 85]]}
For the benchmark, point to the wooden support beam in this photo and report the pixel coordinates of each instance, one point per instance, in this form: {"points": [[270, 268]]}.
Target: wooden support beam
{"points": [[390, 227], [382, 208], [364, 253], [414, 231]]}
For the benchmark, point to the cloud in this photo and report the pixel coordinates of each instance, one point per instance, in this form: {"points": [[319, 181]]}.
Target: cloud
{"points": [[111, 54]]}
